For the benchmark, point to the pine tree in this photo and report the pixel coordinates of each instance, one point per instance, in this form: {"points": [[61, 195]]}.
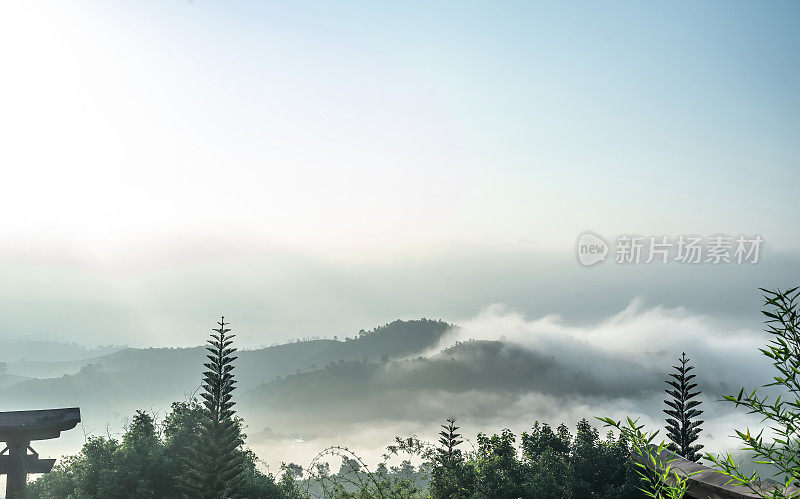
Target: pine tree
{"points": [[449, 439], [450, 477], [217, 465], [682, 426]]}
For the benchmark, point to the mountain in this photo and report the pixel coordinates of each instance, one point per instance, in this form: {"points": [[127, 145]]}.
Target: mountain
{"points": [[444, 384], [11, 379], [302, 396], [15, 350], [119, 382]]}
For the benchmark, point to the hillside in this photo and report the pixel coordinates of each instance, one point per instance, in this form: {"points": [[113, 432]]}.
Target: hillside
{"points": [[15, 350], [445, 383], [116, 383]]}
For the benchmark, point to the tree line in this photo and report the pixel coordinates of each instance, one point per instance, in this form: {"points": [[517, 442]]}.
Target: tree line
{"points": [[198, 450]]}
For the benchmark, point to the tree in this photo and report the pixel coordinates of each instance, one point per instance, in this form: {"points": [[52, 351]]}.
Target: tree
{"points": [[106, 467], [141, 460], [217, 465], [547, 457], [683, 428], [542, 438], [450, 476], [450, 439], [144, 463], [781, 452], [500, 473]]}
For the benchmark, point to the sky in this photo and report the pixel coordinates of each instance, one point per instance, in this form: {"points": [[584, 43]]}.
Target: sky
{"points": [[311, 168]]}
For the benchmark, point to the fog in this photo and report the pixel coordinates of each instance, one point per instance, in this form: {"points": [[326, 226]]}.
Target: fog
{"points": [[535, 369], [170, 295], [501, 367]]}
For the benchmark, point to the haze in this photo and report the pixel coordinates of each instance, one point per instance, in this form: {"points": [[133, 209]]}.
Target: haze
{"points": [[308, 170]]}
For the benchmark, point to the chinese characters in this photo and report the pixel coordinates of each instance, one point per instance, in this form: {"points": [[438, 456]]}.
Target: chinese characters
{"points": [[688, 249]]}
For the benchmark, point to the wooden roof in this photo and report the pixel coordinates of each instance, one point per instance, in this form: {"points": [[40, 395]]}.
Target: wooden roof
{"points": [[707, 482], [37, 425]]}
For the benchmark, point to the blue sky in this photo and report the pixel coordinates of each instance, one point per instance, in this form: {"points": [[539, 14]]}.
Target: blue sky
{"points": [[365, 134]]}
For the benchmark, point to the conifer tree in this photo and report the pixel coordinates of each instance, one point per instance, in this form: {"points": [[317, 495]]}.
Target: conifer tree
{"points": [[450, 476], [217, 464], [449, 438], [682, 426]]}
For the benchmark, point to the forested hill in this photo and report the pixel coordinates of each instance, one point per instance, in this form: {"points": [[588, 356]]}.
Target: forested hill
{"points": [[131, 377], [469, 378]]}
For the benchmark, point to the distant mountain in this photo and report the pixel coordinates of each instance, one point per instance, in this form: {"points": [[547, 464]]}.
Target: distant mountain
{"points": [[11, 379], [15, 350], [131, 378]]}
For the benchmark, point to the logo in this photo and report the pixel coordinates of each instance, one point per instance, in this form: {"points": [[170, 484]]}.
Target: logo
{"points": [[591, 249], [717, 249]]}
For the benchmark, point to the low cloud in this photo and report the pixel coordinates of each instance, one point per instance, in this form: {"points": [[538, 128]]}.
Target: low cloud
{"points": [[649, 338], [502, 369]]}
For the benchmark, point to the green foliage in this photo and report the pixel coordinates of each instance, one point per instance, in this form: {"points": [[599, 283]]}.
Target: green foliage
{"points": [[600, 468], [546, 464], [497, 466], [658, 478], [144, 463], [199, 452], [109, 468], [216, 467], [782, 451], [549, 454], [450, 476], [682, 426]]}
